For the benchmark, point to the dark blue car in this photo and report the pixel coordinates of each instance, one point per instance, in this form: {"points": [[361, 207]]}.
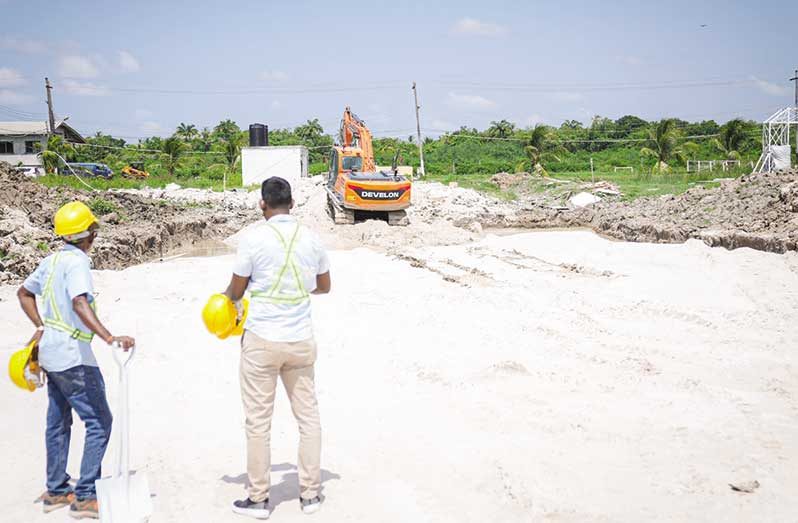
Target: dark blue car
{"points": [[90, 169]]}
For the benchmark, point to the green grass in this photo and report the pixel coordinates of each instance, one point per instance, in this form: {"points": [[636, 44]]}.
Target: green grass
{"points": [[155, 181], [631, 185]]}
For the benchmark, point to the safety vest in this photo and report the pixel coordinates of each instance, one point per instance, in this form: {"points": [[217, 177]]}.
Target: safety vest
{"points": [[280, 291], [57, 322]]}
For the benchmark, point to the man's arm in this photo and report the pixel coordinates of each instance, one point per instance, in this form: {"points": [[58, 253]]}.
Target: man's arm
{"points": [[237, 287], [81, 306], [27, 300], [323, 283]]}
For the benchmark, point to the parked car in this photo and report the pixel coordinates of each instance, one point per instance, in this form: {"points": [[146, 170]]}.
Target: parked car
{"points": [[90, 169]]}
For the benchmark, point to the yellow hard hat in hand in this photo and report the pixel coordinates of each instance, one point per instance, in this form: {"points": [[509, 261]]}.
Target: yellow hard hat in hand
{"points": [[73, 218], [220, 315], [17, 365]]}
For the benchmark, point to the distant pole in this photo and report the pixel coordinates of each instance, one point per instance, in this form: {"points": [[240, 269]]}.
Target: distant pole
{"points": [[421, 169], [795, 79], [50, 104], [592, 175]]}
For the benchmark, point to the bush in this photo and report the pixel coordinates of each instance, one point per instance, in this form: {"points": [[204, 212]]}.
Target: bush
{"points": [[102, 206]]}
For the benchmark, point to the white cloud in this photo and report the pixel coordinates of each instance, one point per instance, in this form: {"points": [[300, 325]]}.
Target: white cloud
{"points": [[472, 26], [273, 76], [84, 88], [143, 114], [565, 96], [22, 45], [472, 101], [77, 66], [128, 63], [442, 125], [11, 77], [275, 104], [151, 127], [9, 97], [534, 119], [770, 88]]}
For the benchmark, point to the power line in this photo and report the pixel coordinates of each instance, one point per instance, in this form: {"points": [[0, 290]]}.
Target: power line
{"points": [[554, 88], [251, 91]]}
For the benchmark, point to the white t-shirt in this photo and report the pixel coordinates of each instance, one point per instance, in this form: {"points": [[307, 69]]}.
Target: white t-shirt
{"points": [[260, 257]]}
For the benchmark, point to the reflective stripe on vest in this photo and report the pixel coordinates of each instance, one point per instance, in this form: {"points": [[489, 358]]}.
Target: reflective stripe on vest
{"points": [[57, 322], [279, 293]]}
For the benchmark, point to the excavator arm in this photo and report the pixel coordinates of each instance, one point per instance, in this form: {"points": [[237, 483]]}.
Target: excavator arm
{"points": [[354, 133]]}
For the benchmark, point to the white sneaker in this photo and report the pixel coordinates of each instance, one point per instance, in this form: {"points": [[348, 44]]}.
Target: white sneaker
{"points": [[310, 506], [247, 507]]}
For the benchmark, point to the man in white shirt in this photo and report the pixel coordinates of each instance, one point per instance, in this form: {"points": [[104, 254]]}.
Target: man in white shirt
{"points": [[281, 264]]}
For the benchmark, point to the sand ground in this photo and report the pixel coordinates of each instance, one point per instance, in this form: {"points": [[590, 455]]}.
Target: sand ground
{"points": [[551, 376]]}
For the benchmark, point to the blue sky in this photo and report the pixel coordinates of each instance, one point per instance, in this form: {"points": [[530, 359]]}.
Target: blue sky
{"points": [[137, 69]]}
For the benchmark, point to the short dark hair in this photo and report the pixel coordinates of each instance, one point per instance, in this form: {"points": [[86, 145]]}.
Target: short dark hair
{"points": [[276, 192]]}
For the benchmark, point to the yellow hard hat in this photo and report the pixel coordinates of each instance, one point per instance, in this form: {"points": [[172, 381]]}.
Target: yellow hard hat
{"points": [[16, 367], [219, 316], [73, 218]]}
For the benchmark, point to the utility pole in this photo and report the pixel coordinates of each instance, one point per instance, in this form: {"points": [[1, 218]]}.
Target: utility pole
{"points": [[795, 79], [50, 105], [422, 170]]}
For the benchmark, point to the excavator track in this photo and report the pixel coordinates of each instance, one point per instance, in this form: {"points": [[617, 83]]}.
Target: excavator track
{"points": [[338, 213], [398, 218]]}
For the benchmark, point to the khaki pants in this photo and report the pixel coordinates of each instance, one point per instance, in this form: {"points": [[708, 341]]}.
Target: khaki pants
{"points": [[261, 362]]}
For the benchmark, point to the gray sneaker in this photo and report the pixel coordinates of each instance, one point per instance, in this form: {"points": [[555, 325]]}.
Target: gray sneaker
{"points": [[247, 507], [310, 506]]}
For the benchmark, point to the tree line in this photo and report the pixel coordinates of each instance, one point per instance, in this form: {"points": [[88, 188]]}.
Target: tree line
{"points": [[628, 142]]}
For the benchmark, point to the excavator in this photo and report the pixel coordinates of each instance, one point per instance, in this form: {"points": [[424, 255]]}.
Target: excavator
{"points": [[135, 170], [354, 185]]}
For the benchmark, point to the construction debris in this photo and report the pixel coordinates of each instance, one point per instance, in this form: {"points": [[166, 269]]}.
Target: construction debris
{"points": [[757, 211], [583, 199], [135, 227]]}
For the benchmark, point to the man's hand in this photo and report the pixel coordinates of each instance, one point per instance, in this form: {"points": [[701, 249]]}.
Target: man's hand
{"points": [[239, 305], [126, 342], [37, 337]]}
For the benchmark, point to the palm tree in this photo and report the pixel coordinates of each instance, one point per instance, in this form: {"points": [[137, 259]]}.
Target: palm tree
{"points": [[226, 129], [536, 143], [56, 146], [173, 150], [664, 138], [205, 139], [186, 131], [732, 138], [232, 151], [500, 129]]}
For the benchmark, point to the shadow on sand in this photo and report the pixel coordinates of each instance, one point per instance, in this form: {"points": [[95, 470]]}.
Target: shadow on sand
{"points": [[287, 489]]}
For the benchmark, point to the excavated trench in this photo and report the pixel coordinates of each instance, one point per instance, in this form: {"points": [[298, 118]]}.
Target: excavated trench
{"points": [[134, 229]]}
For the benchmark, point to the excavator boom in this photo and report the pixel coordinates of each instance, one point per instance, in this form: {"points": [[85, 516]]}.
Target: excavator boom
{"points": [[354, 133]]}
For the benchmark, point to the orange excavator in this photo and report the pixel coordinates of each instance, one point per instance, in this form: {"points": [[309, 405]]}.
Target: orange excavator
{"points": [[354, 185]]}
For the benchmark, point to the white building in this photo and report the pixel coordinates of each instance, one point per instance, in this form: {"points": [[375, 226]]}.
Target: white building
{"points": [[259, 163], [21, 142]]}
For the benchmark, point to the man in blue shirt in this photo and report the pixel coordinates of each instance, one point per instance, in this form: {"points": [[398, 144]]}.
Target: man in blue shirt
{"points": [[64, 331]]}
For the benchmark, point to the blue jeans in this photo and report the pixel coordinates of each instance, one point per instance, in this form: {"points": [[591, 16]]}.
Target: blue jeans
{"points": [[81, 389]]}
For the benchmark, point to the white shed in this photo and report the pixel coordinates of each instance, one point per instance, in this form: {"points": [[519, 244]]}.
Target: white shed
{"points": [[288, 161]]}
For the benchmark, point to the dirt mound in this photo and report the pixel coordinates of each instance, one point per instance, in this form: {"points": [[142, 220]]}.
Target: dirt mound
{"points": [[134, 228], [506, 181], [757, 210]]}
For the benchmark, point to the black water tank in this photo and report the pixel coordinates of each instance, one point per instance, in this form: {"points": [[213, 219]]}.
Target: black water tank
{"points": [[258, 135]]}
